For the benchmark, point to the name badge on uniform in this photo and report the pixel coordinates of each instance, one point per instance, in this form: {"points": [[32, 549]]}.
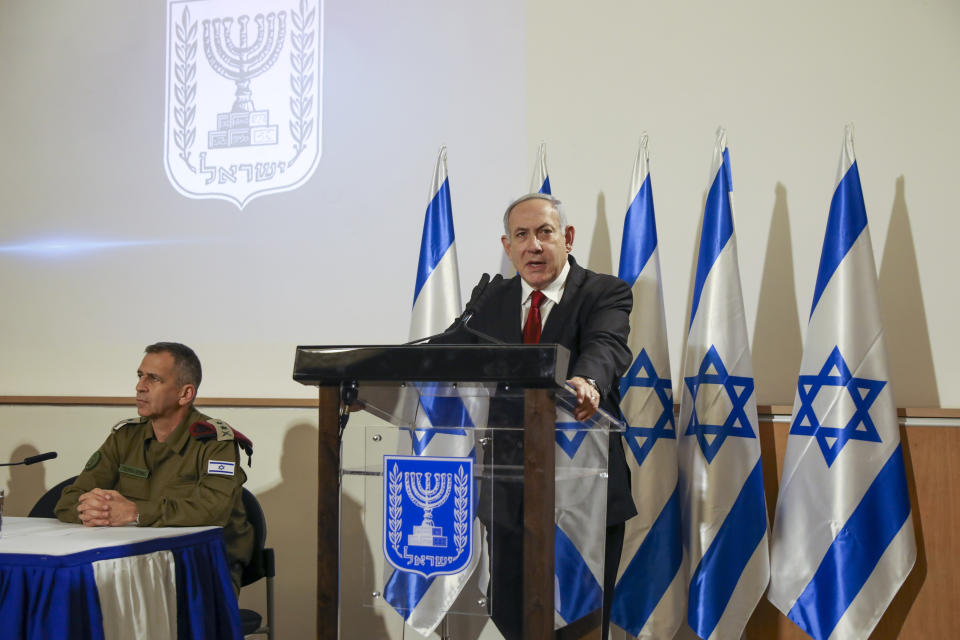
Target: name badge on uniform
{"points": [[218, 468]]}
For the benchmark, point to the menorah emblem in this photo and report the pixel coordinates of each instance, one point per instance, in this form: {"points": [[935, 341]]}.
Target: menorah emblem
{"points": [[443, 489], [242, 61], [428, 491]]}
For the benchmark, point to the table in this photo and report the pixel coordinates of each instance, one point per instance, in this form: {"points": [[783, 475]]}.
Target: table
{"points": [[60, 580]]}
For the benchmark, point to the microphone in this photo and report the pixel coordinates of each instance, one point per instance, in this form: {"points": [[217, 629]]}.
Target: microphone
{"points": [[477, 293], [40, 457], [480, 293]]}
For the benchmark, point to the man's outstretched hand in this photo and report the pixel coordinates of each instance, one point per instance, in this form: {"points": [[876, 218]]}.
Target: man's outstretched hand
{"points": [[588, 399]]}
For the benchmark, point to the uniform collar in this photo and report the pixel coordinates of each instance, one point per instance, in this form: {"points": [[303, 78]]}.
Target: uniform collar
{"points": [[178, 438]]}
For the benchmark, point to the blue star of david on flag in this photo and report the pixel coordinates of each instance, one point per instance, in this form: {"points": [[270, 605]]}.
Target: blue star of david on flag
{"points": [[863, 392], [570, 442], [739, 389], [641, 439]]}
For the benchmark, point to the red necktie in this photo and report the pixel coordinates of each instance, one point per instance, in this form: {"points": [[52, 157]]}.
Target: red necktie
{"points": [[531, 329]]}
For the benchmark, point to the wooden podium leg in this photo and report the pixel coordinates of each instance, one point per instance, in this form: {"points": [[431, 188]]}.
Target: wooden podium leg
{"points": [[328, 512], [538, 504]]}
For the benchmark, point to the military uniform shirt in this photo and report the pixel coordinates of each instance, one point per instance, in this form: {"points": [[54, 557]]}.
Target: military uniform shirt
{"points": [[170, 481]]}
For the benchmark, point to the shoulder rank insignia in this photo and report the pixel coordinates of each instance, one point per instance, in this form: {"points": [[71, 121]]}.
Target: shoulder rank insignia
{"points": [[207, 429], [224, 431], [123, 423]]}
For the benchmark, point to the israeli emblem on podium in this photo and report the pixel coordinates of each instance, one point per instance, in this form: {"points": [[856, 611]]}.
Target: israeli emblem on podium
{"points": [[428, 514], [243, 89]]}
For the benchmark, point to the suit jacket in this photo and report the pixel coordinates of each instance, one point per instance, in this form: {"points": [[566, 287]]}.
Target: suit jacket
{"points": [[592, 321]]}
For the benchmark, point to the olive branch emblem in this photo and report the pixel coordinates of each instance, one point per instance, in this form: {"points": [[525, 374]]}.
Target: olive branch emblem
{"points": [[185, 87], [461, 510], [395, 508], [301, 80]]}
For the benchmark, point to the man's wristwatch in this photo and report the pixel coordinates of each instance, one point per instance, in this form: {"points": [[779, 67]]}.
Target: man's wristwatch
{"points": [[594, 384]]}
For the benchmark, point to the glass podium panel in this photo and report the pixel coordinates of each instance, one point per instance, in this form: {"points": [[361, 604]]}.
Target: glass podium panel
{"points": [[436, 474]]}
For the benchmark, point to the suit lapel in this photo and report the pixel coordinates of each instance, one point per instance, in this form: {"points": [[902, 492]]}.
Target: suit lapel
{"points": [[509, 328], [553, 328]]}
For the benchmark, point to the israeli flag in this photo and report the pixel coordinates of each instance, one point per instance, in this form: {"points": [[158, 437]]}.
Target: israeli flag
{"points": [[649, 598], [436, 296], [423, 601], [723, 514], [581, 454], [540, 183], [843, 540]]}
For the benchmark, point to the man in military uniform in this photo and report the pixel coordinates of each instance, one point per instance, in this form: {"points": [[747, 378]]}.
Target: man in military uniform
{"points": [[172, 466]]}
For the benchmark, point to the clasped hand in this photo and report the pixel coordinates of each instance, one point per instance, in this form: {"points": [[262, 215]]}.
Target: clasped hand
{"points": [[105, 508]]}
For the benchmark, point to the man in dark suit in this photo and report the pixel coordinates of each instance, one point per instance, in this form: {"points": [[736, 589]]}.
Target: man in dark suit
{"points": [[554, 300]]}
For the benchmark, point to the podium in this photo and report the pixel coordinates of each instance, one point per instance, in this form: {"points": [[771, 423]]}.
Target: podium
{"points": [[511, 405]]}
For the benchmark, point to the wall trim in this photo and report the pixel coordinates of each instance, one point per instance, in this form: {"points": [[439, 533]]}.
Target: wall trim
{"points": [[128, 401], [928, 416]]}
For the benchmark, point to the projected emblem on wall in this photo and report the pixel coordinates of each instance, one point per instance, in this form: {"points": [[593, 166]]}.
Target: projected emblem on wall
{"points": [[242, 96]]}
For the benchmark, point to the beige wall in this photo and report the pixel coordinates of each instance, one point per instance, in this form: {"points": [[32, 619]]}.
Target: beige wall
{"points": [[783, 78]]}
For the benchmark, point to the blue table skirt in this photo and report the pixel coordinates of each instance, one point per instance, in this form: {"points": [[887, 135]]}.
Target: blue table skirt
{"points": [[55, 597]]}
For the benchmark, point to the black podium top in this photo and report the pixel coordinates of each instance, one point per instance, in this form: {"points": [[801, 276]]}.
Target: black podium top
{"points": [[526, 365]]}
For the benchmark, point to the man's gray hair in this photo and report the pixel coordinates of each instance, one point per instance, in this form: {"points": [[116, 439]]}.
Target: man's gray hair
{"points": [[557, 205], [186, 364]]}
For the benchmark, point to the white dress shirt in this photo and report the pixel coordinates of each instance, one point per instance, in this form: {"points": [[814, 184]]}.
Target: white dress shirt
{"points": [[553, 293]]}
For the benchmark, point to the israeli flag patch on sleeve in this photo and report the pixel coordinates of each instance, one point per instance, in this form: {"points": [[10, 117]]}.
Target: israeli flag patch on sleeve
{"points": [[220, 468]]}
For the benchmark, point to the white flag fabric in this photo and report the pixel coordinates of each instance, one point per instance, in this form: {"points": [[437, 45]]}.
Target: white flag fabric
{"points": [[436, 297], [540, 183], [424, 601], [649, 598], [843, 540], [724, 517], [580, 514]]}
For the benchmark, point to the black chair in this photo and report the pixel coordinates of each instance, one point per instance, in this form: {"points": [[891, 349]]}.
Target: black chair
{"points": [[261, 566], [46, 503]]}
